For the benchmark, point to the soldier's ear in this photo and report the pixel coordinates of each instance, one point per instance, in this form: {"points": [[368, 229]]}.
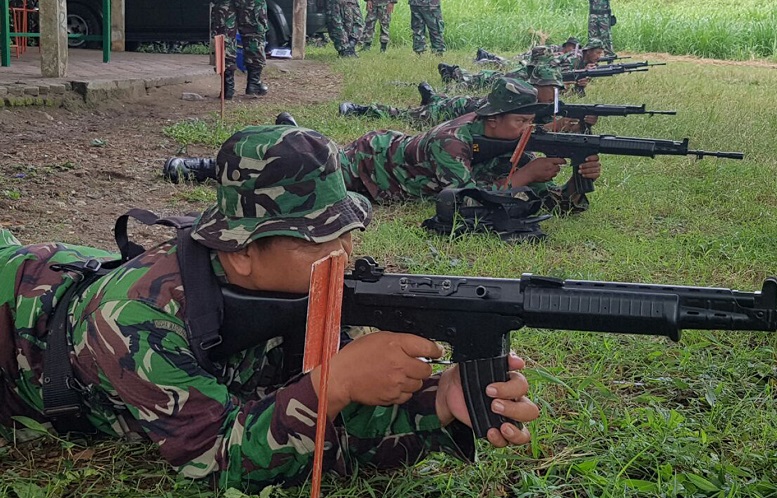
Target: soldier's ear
{"points": [[236, 264]]}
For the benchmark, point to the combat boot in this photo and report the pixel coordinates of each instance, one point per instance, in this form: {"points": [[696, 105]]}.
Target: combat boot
{"points": [[254, 85], [483, 55], [383, 46], [447, 72], [229, 84], [348, 52], [427, 93], [199, 169], [351, 109], [285, 118]]}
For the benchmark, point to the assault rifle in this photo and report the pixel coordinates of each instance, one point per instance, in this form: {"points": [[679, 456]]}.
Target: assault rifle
{"points": [[598, 72], [612, 58], [475, 315], [580, 111], [632, 65], [576, 147]]}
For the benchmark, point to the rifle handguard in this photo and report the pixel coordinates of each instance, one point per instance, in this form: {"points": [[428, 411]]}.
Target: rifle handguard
{"points": [[476, 375]]}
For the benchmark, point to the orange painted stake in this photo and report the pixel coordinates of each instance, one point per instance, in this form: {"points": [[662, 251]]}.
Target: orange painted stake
{"points": [[525, 136], [322, 341], [221, 63]]}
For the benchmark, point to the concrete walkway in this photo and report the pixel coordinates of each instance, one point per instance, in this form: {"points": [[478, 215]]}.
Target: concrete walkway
{"points": [[128, 74]]}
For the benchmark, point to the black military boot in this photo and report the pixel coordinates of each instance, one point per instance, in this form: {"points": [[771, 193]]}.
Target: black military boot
{"points": [[383, 46], [351, 109], [483, 55], [348, 52], [254, 85], [285, 118], [229, 84], [427, 93], [199, 169], [447, 72]]}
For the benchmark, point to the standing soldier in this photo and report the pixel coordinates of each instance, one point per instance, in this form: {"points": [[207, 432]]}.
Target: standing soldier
{"points": [[378, 10], [337, 15], [600, 19], [427, 14], [249, 18], [353, 22]]}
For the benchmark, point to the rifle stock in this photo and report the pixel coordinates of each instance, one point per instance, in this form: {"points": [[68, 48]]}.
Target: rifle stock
{"points": [[476, 315]]}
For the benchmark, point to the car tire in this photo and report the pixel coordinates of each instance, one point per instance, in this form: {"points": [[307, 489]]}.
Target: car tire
{"points": [[272, 37], [82, 20]]}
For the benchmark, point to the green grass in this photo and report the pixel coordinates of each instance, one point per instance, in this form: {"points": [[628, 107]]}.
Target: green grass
{"points": [[622, 416], [723, 29]]}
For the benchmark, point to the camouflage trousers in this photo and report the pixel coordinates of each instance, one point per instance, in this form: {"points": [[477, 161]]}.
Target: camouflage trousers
{"points": [[599, 27], [344, 23], [378, 13], [423, 18], [483, 80], [441, 109], [247, 17]]}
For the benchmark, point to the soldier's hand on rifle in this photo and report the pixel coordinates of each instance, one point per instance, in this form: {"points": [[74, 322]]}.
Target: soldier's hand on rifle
{"points": [[509, 400], [369, 5], [390, 8], [591, 120], [591, 168], [582, 82], [542, 169], [381, 368]]}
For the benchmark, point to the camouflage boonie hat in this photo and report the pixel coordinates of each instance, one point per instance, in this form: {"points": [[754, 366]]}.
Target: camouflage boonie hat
{"points": [[572, 41], [539, 54], [594, 43], [513, 96], [546, 75], [279, 180]]}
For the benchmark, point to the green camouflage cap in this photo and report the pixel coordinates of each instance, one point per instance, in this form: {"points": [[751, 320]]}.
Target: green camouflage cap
{"points": [[546, 75], [511, 95], [539, 54], [594, 43], [279, 180]]}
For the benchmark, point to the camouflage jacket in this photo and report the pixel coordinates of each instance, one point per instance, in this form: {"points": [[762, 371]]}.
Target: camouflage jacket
{"points": [[424, 3], [389, 165], [247, 430], [599, 6]]}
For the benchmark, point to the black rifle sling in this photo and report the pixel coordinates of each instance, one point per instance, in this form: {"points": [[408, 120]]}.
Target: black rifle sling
{"points": [[204, 311], [62, 403]]}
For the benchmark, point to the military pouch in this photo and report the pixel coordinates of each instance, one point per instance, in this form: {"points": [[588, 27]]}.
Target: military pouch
{"points": [[507, 213]]}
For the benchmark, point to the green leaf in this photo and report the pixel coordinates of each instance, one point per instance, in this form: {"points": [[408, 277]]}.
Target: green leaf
{"points": [[28, 490], [701, 483], [640, 485], [31, 424]]}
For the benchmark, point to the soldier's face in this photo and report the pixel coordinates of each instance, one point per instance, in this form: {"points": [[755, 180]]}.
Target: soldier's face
{"points": [[545, 94], [508, 126], [593, 56], [285, 264]]}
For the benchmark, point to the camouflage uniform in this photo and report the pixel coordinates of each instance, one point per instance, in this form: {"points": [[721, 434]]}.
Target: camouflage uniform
{"points": [[249, 18], [353, 22], [378, 13], [463, 80], [599, 23], [427, 14], [246, 426], [441, 109], [337, 12]]}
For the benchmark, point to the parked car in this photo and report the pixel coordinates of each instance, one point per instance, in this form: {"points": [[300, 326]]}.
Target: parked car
{"points": [[182, 20]]}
